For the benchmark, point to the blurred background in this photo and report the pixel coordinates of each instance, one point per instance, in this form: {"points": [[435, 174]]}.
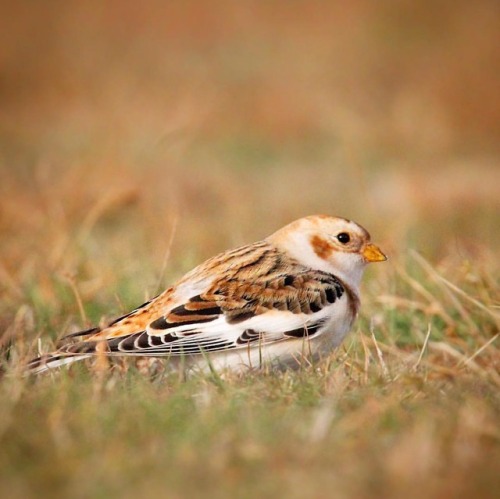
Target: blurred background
{"points": [[138, 138], [134, 132]]}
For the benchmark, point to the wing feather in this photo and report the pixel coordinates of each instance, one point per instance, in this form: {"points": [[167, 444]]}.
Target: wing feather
{"points": [[255, 296]]}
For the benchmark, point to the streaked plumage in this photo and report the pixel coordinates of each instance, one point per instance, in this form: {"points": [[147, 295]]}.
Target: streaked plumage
{"points": [[296, 293]]}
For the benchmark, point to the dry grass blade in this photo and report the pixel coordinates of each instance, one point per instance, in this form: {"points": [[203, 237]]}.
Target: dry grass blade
{"points": [[380, 355], [440, 281], [480, 350], [166, 256], [478, 304], [424, 346], [434, 305], [70, 278], [464, 361]]}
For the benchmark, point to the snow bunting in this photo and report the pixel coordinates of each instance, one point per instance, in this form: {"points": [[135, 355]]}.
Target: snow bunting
{"points": [[291, 295]]}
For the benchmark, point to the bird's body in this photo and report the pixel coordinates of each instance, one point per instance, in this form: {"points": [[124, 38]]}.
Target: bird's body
{"points": [[292, 296]]}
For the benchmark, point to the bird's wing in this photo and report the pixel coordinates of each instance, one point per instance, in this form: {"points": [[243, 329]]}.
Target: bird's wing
{"points": [[231, 313]]}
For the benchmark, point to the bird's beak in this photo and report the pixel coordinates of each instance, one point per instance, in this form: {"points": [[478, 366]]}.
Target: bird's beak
{"points": [[372, 253]]}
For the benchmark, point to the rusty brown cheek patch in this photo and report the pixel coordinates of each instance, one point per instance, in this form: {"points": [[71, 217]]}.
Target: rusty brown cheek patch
{"points": [[321, 247]]}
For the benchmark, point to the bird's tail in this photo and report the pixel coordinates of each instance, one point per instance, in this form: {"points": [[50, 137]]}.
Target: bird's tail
{"points": [[53, 360], [66, 354]]}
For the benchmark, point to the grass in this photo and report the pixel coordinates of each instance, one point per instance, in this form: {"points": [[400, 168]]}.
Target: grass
{"points": [[134, 147], [408, 405]]}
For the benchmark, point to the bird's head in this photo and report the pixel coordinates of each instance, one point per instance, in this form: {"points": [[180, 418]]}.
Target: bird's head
{"points": [[332, 244]]}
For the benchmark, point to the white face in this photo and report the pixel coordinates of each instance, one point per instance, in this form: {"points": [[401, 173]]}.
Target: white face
{"points": [[331, 244]]}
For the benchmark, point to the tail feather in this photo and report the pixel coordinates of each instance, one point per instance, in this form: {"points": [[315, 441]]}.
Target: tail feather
{"points": [[51, 361], [85, 332]]}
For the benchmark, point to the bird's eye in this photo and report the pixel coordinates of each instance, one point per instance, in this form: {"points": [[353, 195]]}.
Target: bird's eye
{"points": [[344, 237]]}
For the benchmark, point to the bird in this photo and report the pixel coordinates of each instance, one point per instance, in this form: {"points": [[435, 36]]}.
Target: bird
{"points": [[290, 296]]}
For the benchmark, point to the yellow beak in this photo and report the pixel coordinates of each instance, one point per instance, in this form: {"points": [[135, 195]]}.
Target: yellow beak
{"points": [[372, 253]]}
